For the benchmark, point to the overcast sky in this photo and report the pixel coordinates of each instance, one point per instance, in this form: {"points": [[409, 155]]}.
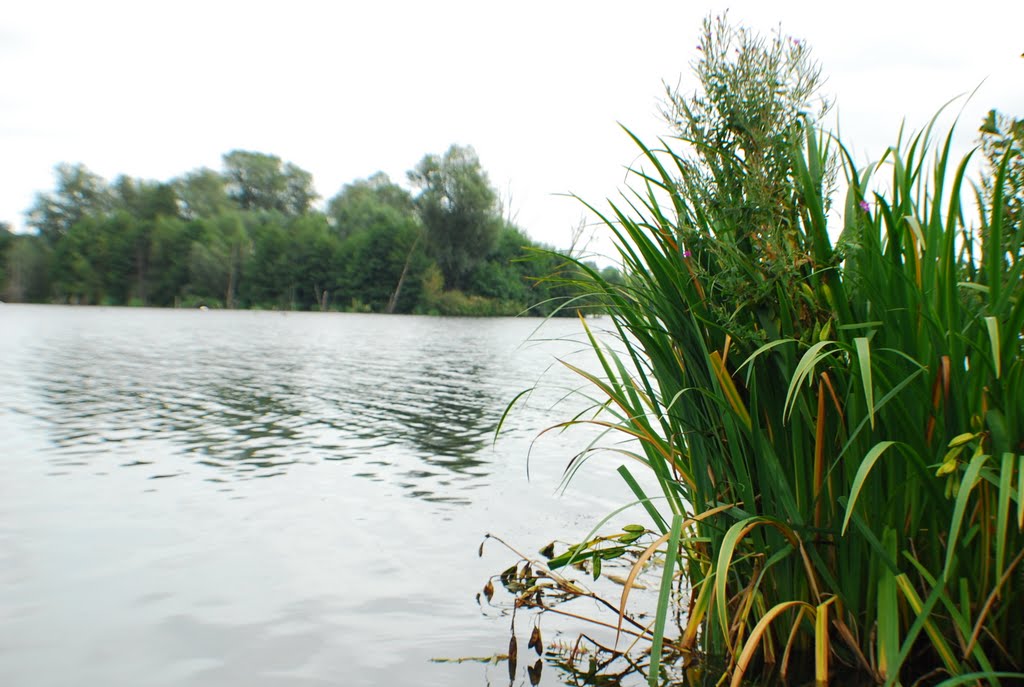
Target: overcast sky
{"points": [[343, 90]]}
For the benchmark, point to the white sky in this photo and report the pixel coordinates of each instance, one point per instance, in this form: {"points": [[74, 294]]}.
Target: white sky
{"points": [[343, 90]]}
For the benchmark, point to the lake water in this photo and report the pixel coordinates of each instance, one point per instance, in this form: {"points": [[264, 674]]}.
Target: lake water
{"points": [[256, 498]]}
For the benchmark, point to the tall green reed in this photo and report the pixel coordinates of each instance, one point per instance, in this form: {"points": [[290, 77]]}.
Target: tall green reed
{"points": [[837, 429]]}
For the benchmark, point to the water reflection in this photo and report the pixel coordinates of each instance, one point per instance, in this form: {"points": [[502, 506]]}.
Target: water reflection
{"points": [[239, 396]]}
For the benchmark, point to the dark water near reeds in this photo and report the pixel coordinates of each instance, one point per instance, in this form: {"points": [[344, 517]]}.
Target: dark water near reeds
{"points": [[253, 498]]}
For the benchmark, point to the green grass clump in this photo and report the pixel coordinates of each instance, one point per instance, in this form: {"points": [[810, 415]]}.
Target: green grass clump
{"points": [[836, 427]]}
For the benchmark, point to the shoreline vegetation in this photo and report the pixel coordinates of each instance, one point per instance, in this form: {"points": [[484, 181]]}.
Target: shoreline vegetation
{"points": [[833, 415], [248, 236]]}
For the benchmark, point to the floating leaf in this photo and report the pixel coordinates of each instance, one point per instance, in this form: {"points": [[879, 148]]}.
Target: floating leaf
{"points": [[548, 551], [634, 528], [596, 564]]}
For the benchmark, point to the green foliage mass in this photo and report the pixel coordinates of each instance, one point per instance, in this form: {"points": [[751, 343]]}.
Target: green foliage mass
{"points": [[248, 236], [256, 181], [460, 212], [369, 204], [836, 427], [1002, 187], [79, 193]]}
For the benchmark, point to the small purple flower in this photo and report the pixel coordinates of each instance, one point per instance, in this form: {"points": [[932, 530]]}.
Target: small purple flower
{"points": [[865, 206], [686, 253]]}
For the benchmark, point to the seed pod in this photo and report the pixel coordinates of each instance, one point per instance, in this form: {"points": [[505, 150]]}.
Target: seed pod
{"points": [[488, 590], [536, 643], [961, 439]]}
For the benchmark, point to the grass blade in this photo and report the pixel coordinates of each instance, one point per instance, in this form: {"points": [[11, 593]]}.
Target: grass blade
{"points": [[664, 599], [862, 474], [864, 360]]}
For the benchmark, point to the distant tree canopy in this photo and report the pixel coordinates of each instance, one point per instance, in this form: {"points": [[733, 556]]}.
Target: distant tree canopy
{"points": [[369, 203], [249, 236], [256, 181], [460, 212], [78, 193], [202, 193]]}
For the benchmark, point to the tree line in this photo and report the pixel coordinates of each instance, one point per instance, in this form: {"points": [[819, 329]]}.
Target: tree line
{"points": [[249, 236]]}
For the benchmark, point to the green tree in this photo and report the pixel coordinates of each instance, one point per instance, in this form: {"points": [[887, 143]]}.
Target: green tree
{"points": [[202, 193], [26, 262], [384, 266], [299, 193], [144, 199], [506, 273], [93, 260], [169, 248], [270, 278], [257, 181], [217, 256], [311, 250], [142, 203], [78, 193], [460, 212], [383, 254], [1002, 144], [367, 203]]}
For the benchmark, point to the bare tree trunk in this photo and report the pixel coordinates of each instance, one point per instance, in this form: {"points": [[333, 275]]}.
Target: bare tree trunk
{"points": [[229, 296], [393, 301], [140, 274], [321, 297]]}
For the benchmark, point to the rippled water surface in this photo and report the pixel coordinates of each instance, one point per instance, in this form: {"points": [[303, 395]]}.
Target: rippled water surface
{"points": [[252, 498]]}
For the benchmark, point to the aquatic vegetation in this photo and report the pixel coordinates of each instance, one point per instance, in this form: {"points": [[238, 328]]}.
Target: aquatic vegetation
{"points": [[835, 423], [841, 457], [542, 585]]}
